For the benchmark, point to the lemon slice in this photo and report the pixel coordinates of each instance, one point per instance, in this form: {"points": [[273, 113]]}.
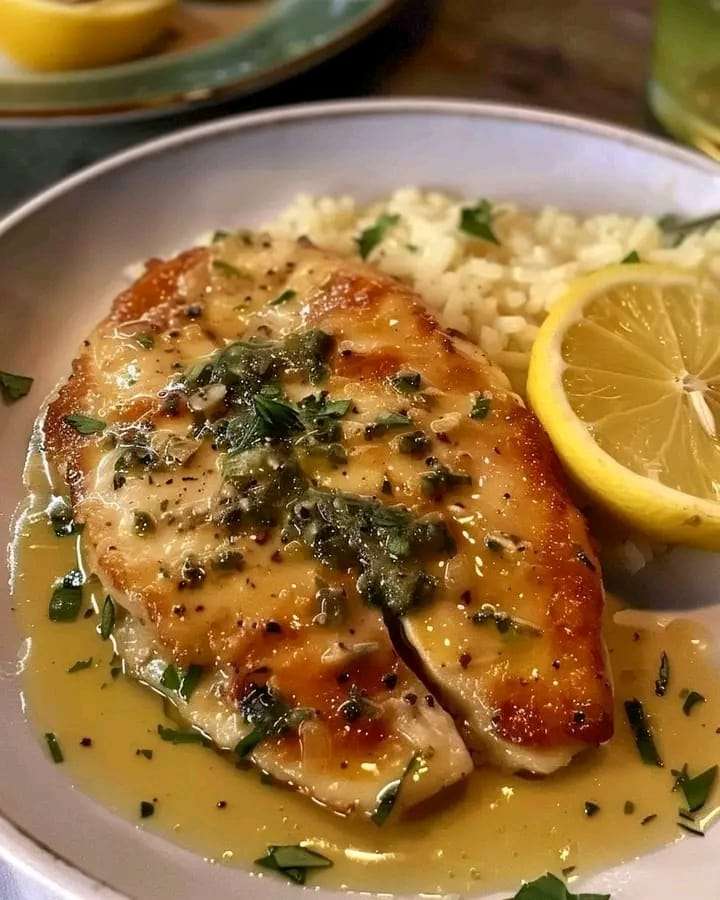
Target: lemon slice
{"points": [[625, 377], [53, 35]]}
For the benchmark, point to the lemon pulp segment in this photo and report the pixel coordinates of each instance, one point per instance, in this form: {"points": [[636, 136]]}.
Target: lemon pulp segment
{"points": [[625, 376]]}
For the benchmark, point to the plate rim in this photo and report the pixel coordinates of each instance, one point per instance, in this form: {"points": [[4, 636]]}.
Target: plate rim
{"points": [[359, 26], [18, 848]]}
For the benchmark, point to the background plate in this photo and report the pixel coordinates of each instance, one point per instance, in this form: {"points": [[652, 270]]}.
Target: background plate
{"points": [[290, 37], [61, 258]]}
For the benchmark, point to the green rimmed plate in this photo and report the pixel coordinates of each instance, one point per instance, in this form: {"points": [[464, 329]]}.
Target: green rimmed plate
{"points": [[220, 49]]}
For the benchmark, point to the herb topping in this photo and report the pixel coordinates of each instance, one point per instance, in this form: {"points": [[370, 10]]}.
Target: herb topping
{"points": [[477, 221], [374, 235], [293, 861], [13, 387], [640, 727]]}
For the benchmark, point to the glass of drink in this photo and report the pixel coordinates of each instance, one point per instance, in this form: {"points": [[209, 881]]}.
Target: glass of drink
{"points": [[684, 89]]}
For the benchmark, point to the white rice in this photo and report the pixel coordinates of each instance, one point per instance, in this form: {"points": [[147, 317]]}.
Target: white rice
{"points": [[498, 295]]}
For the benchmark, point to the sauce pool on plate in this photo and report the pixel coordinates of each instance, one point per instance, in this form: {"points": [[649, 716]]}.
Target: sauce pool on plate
{"points": [[606, 807]]}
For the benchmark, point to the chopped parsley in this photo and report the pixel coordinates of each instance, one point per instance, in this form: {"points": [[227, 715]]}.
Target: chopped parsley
{"points": [[632, 257], [80, 665], [480, 407], [477, 221], [84, 424], [386, 423], [375, 234], [663, 679], [246, 367], [692, 699], [505, 624], [414, 443], [107, 618], [258, 486], [406, 382], [146, 809], [269, 714], [148, 754], [54, 747], [13, 387], [628, 807], [170, 678], [640, 727], [174, 736], [66, 598], [550, 887], [591, 809], [292, 861], [388, 795], [145, 339], [219, 235], [697, 789], [189, 681], [440, 480], [387, 544], [283, 298]]}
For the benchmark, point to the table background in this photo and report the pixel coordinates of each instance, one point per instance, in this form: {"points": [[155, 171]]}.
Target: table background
{"points": [[581, 56], [588, 57]]}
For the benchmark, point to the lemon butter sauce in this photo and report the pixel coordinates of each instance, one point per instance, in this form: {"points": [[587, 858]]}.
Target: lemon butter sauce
{"points": [[607, 806]]}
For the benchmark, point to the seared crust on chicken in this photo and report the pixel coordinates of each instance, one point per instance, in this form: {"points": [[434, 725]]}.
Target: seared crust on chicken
{"points": [[294, 462]]}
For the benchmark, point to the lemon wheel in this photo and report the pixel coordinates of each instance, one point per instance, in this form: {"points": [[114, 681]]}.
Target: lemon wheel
{"points": [[625, 377], [55, 35]]}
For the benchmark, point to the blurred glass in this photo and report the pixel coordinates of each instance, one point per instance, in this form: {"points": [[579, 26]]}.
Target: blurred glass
{"points": [[684, 86]]}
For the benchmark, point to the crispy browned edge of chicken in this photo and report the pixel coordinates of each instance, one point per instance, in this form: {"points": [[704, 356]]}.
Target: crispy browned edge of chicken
{"points": [[527, 713]]}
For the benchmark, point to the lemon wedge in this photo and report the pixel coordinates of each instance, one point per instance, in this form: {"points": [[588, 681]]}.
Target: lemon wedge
{"points": [[625, 377], [55, 35]]}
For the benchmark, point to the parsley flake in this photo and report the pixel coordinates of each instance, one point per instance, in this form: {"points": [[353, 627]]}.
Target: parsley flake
{"points": [[283, 298], [54, 747], [387, 798], [174, 736], [640, 727], [13, 387], [550, 887], [480, 407], [107, 618], [85, 424], [477, 221], [697, 789], [293, 861], [371, 237], [663, 679]]}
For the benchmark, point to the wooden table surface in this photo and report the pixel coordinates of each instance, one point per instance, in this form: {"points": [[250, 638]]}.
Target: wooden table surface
{"points": [[589, 57]]}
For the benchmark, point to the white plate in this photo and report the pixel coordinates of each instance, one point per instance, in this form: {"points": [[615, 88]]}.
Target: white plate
{"points": [[61, 259]]}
